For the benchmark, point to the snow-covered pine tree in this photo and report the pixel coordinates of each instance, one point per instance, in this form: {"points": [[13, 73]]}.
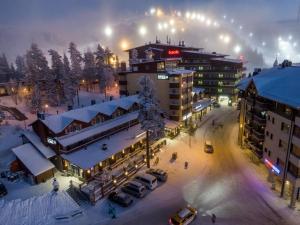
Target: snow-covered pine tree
{"points": [[69, 84], [76, 69], [150, 114], [57, 72], [13, 90], [89, 70], [5, 72], [37, 74], [20, 67]]}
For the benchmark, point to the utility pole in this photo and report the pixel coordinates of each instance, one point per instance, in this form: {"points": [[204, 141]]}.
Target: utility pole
{"points": [[147, 149]]}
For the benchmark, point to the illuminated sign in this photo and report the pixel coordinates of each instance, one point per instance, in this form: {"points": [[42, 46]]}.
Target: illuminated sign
{"points": [[187, 116], [274, 168], [173, 52], [162, 77], [51, 141]]}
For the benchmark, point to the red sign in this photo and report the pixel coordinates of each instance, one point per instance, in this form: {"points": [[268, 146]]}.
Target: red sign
{"points": [[173, 52]]}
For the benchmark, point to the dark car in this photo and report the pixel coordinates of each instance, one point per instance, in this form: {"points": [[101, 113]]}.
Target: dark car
{"points": [[135, 189], [3, 190], [159, 174], [120, 198]]}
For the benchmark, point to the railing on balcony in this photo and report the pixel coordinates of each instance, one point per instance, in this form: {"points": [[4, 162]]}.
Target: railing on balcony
{"points": [[259, 133], [248, 126], [259, 118]]}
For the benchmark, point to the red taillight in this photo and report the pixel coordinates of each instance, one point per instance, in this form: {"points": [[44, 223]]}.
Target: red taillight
{"points": [[170, 221]]}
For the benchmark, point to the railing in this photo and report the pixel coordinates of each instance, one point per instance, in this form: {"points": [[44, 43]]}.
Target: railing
{"points": [[260, 119]]}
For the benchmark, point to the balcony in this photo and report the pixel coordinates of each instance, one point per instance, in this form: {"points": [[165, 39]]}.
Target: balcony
{"points": [[175, 102], [258, 134], [174, 91], [250, 100], [261, 104], [295, 159], [248, 126], [257, 149], [249, 114], [261, 120]]}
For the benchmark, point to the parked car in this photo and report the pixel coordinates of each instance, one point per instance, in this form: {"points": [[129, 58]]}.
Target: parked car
{"points": [[135, 189], [120, 198], [159, 174], [216, 105], [148, 180], [208, 148], [184, 216], [3, 190]]}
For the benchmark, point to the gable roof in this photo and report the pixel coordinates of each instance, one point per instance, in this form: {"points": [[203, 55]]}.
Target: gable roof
{"points": [[277, 84], [58, 123]]}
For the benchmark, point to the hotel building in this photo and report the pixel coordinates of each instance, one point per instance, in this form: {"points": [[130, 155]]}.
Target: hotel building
{"points": [[270, 124]]}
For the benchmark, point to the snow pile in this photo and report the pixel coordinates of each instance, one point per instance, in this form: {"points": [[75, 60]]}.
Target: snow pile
{"points": [[37, 210]]}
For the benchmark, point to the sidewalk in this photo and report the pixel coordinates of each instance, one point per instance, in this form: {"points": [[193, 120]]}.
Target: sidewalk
{"points": [[257, 173]]}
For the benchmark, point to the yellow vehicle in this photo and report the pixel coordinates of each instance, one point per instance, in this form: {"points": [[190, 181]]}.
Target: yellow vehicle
{"points": [[184, 216]]}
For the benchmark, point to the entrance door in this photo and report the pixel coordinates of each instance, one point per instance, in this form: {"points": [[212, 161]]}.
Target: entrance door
{"points": [[74, 170]]}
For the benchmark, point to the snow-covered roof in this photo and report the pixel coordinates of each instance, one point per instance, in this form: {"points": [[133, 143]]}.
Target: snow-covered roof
{"points": [[227, 60], [277, 84], [205, 53], [171, 124], [36, 142], [87, 157], [179, 71], [202, 104], [83, 134], [32, 159], [58, 123]]}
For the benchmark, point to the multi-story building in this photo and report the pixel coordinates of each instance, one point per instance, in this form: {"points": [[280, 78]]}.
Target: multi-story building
{"points": [[270, 123], [85, 142], [173, 86], [213, 72]]}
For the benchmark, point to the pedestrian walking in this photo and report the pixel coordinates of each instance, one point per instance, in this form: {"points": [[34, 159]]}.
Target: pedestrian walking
{"points": [[55, 185], [213, 218], [186, 164]]}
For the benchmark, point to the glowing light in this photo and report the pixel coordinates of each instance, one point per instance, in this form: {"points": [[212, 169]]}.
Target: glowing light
{"points": [[225, 17], [165, 25], [142, 30], [216, 24], [290, 37], [108, 31], [152, 11], [173, 30], [188, 15], [202, 19], [295, 44], [232, 21], [182, 29], [274, 168], [226, 39], [193, 16], [208, 22], [263, 43], [171, 22], [237, 49], [279, 38], [124, 44], [179, 14], [250, 34], [241, 27], [159, 12]]}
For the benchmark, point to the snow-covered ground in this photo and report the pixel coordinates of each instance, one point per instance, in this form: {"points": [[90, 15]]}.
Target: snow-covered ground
{"points": [[39, 210], [226, 183]]}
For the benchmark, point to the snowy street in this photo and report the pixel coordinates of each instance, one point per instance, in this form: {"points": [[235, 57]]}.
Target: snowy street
{"points": [[218, 183]]}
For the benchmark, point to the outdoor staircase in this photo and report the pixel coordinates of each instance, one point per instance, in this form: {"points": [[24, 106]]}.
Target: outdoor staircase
{"points": [[79, 197]]}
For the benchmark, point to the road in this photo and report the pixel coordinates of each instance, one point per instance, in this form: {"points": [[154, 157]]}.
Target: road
{"points": [[213, 183]]}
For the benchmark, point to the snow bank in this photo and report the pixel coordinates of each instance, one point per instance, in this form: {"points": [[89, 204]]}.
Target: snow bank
{"points": [[37, 210]]}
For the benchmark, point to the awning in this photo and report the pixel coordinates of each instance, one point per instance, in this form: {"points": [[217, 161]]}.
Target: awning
{"points": [[170, 124], [34, 161]]}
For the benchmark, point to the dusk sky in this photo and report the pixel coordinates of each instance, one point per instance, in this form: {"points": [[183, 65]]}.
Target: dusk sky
{"points": [[53, 24]]}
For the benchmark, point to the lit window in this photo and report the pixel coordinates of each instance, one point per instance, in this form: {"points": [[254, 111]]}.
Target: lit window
{"points": [[220, 90], [221, 75]]}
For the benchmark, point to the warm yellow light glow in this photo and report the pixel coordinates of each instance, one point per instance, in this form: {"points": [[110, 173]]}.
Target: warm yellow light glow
{"points": [[108, 31], [88, 171], [46, 106], [112, 157], [124, 44], [126, 173]]}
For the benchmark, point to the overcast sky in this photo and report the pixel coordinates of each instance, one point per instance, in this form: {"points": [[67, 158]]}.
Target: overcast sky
{"points": [[54, 23]]}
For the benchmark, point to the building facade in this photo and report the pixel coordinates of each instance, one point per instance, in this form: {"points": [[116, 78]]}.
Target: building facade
{"points": [[270, 124], [212, 71]]}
